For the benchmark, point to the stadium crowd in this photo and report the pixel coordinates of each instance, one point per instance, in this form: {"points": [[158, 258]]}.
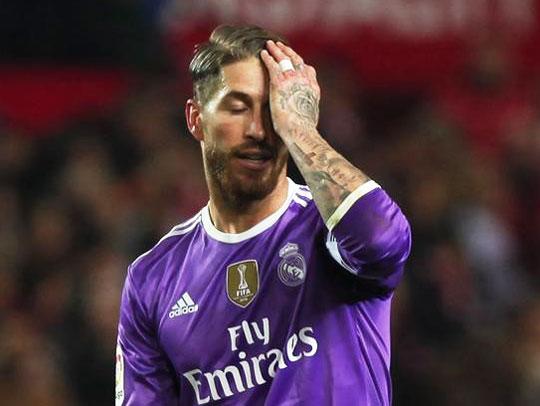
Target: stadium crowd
{"points": [[462, 160]]}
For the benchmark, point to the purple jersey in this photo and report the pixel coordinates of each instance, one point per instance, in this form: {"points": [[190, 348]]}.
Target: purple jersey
{"points": [[290, 312]]}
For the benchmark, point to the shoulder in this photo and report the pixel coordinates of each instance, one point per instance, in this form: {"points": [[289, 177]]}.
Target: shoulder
{"points": [[301, 195], [302, 208], [152, 264]]}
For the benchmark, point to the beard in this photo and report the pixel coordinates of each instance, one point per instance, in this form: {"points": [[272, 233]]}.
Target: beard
{"points": [[240, 188]]}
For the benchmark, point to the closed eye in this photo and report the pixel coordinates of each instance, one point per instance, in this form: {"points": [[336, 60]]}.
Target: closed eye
{"points": [[238, 110]]}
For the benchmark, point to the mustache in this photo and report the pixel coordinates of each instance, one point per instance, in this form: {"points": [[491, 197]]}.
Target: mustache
{"points": [[254, 147]]}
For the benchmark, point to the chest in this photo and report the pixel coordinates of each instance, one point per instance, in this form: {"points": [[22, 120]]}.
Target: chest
{"points": [[227, 300]]}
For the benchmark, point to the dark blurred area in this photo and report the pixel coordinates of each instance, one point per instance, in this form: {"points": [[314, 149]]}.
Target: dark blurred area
{"points": [[98, 32], [96, 164]]}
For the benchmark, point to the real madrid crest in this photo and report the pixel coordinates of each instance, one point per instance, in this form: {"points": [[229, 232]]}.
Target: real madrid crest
{"points": [[242, 282], [292, 268]]}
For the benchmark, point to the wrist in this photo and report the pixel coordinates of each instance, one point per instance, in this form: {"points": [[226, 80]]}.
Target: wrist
{"points": [[298, 133]]}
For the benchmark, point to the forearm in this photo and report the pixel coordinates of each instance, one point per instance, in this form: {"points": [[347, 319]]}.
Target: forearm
{"points": [[294, 103], [370, 236], [329, 175]]}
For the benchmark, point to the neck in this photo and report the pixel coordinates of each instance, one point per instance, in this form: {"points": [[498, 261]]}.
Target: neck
{"points": [[234, 219]]}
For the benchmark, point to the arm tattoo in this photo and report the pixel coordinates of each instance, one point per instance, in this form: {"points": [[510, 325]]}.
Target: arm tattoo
{"points": [[330, 177]]}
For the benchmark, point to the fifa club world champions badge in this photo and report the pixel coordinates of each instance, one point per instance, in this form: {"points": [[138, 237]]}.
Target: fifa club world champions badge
{"points": [[242, 282], [292, 268]]}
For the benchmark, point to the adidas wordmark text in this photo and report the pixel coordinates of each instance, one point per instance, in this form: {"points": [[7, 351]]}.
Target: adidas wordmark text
{"points": [[184, 305]]}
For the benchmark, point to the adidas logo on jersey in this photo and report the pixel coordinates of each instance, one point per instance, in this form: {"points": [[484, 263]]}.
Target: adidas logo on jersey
{"points": [[184, 305]]}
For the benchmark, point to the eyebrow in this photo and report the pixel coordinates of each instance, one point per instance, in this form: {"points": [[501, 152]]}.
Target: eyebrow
{"points": [[235, 94]]}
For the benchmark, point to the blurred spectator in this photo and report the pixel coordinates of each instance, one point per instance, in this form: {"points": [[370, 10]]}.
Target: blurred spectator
{"points": [[525, 338], [522, 166], [487, 101]]}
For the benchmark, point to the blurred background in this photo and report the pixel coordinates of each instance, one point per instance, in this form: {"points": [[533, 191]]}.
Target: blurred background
{"points": [[439, 101]]}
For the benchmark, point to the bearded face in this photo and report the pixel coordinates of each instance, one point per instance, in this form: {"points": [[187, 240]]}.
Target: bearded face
{"points": [[246, 172], [243, 156]]}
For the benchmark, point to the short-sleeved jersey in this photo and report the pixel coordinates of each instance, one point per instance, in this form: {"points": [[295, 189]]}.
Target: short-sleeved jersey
{"points": [[290, 312]]}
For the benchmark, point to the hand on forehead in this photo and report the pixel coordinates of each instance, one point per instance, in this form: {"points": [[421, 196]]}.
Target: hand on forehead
{"points": [[294, 90], [281, 54]]}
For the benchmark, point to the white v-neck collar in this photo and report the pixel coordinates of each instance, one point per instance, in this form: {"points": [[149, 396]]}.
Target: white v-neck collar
{"points": [[258, 228]]}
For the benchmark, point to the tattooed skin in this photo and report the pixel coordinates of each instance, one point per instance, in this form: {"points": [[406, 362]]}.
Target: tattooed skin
{"points": [[295, 113], [330, 176], [302, 100]]}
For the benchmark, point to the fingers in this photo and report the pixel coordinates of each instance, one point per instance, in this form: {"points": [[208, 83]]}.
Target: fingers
{"points": [[276, 51], [296, 59], [281, 51], [278, 64], [285, 64], [273, 67]]}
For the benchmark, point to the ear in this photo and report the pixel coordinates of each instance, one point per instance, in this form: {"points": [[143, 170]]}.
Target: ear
{"points": [[194, 119]]}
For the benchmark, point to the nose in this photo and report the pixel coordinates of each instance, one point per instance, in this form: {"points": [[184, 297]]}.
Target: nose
{"points": [[257, 127]]}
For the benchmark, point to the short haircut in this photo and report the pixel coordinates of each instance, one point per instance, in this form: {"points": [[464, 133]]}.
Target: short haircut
{"points": [[227, 44]]}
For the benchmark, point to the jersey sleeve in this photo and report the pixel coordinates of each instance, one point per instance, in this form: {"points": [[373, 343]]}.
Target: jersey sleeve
{"points": [[370, 237], [143, 373]]}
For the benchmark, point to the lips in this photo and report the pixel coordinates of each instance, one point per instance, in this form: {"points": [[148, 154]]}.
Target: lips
{"points": [[254, 159], [255, 155]]}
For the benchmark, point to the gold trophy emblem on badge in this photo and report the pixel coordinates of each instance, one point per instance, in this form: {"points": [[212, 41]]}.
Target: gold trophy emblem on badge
{"points": [[242, 286], [242, 282]]}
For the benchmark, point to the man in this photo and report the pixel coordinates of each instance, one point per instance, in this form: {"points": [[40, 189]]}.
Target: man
{"points": [[274, 293]]}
